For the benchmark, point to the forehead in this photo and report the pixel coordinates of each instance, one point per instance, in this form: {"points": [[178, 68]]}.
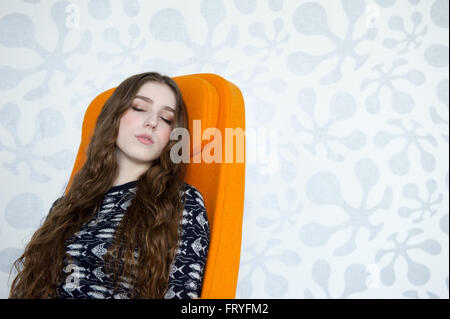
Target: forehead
{"points": [[161, 94]]}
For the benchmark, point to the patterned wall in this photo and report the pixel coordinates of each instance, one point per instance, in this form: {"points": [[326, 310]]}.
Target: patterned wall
{"points": [[347, 116]]}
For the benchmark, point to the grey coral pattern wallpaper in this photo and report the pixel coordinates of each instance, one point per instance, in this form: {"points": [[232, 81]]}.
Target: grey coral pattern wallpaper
{"points": [[347, 127]]}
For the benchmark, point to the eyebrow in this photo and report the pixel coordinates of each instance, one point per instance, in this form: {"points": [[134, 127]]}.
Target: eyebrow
{"points": [[149, 100]]}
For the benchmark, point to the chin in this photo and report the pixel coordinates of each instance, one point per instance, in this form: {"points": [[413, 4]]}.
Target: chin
{"points": [[141, 158]]}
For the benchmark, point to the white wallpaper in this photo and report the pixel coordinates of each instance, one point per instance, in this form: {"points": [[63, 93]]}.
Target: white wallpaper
{"points": [[347, 117]]}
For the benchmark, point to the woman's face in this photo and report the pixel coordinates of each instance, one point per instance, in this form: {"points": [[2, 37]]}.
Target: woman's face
{"points": [[151, 113]]}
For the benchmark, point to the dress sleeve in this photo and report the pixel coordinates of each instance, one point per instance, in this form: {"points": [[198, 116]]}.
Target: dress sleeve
{"points": [[187, 269]]}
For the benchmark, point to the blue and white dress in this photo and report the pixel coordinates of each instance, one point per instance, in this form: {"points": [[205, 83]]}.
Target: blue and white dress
{"points": [[85, 275]]}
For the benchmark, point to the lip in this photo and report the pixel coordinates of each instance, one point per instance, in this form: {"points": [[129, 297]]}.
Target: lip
{"points": [[145, 139]]}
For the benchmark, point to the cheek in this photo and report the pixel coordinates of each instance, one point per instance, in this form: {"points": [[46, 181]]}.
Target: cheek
{"points": [[128, 122], [165, 135]]}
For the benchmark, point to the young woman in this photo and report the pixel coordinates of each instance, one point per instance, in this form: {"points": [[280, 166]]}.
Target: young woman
{"points": [[129, 227]]}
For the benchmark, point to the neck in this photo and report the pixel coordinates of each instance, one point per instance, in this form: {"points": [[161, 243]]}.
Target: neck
{"points": [[129, 171]]}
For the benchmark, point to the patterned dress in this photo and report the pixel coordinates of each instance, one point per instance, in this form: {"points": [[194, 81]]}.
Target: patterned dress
{"points": [[85, 275]]}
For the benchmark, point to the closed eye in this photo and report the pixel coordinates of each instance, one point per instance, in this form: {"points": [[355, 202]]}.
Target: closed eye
{"points": [[167, 121], [141, 110]]}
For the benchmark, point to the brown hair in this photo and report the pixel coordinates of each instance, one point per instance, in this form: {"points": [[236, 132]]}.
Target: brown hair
{"points": [[150, 225]]}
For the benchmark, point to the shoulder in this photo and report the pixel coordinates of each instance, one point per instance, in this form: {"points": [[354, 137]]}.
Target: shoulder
{"points": [[55, 203], [193, 195], [58, 200], [50, 211], [195, 216]]}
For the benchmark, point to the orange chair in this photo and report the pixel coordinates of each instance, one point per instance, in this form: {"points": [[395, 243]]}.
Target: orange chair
{"points": [[219, 104]]}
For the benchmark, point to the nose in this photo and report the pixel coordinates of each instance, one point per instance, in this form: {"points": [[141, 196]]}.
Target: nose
{"points": [[152, 120]]}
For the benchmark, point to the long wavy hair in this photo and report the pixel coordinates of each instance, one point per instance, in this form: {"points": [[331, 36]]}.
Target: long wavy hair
{"points": [[150, 226]]}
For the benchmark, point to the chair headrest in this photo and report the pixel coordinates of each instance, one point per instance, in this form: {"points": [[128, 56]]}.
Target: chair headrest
{"points": [[202, 103]]}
